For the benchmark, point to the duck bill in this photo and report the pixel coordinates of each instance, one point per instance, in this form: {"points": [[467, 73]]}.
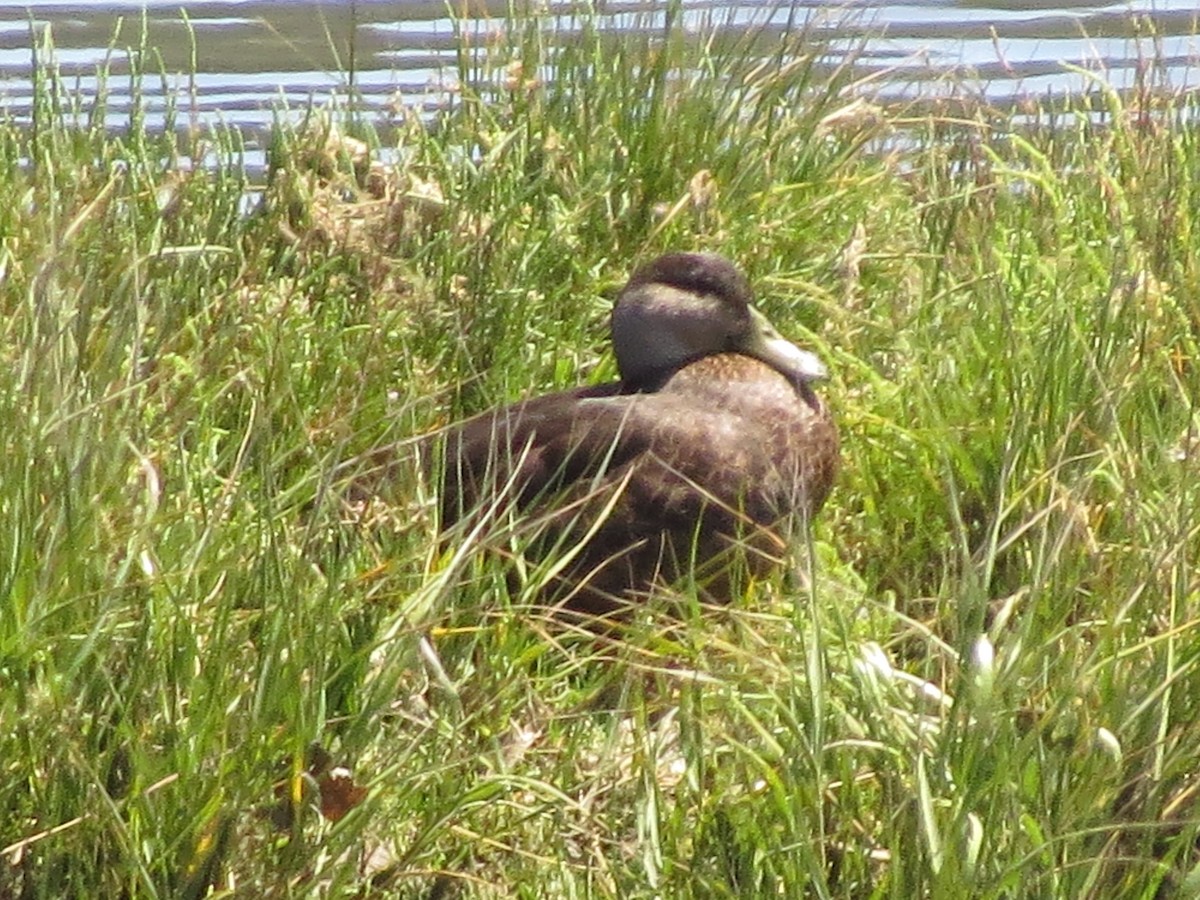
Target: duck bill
{"points": [[765, 343]]}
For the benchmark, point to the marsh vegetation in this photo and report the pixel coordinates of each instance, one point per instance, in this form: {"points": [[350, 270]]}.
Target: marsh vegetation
{"points": [[980, 680]]}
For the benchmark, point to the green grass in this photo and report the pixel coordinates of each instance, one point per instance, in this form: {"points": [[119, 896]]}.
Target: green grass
{"points": [[989, 689]]}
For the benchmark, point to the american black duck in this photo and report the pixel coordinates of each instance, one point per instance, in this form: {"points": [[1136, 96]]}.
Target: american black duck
{"points": [[713, 440]]}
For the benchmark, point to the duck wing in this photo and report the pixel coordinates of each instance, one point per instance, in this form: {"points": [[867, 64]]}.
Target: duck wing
{"points": [[638, 488]]}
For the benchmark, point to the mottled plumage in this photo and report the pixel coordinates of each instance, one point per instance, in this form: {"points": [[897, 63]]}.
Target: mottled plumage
{"points": [[700, 447]]}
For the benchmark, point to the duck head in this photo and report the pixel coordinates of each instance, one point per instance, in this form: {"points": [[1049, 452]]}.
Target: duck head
{"points": [[684, 306]]}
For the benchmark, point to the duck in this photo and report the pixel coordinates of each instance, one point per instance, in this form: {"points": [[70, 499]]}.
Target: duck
{"points": [[711, 446]]}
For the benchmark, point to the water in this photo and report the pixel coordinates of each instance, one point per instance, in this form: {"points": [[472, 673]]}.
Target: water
{"points": [[255, 57]]}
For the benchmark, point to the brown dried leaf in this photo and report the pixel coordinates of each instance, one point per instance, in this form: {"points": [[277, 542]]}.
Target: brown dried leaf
{"points": [[339, 793]]}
